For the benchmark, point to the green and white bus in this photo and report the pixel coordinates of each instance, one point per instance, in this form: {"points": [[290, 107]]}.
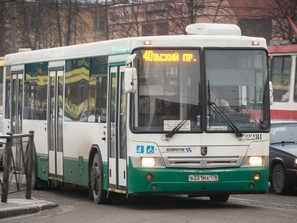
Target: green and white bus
{"points": [[97, 110]]}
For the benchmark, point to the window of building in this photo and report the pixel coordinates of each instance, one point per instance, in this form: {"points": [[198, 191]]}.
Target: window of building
{"points": [[147, 30], [162, 28], [100, 24]]}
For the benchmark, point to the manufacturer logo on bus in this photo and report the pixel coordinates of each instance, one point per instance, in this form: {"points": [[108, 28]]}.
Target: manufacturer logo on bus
{"points": [[179, 150], [203, 150]]}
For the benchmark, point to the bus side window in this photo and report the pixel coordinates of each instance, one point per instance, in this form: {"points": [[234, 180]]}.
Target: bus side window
{"points": [[101, 97]]}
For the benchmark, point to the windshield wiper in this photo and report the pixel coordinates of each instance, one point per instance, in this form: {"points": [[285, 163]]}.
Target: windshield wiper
{"points": [[222, 115], [169, 135]]}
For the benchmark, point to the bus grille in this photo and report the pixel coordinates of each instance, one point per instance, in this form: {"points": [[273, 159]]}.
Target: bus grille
{"points": [[202, 162]]}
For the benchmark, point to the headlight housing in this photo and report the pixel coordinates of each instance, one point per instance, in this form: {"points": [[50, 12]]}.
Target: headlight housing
{"points": [[148, 162], [255, 161]]}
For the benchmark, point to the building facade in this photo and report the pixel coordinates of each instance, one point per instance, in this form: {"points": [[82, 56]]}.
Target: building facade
{"points": [[73, 22]]}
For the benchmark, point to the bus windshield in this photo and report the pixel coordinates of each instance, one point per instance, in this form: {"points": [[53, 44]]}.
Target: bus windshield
{"points": [[174, 89], [168, 89], [236, 83]]}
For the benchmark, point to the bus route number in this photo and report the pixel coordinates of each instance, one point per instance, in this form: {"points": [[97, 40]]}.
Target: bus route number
{"points": [[253, 137]]}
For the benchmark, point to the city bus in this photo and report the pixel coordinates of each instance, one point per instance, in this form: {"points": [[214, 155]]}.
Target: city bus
{"points": [[97, 110], [283, 76]]}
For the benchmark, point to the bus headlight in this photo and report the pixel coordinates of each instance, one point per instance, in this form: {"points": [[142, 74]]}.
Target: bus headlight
{"points": [[148, 161], [255, 160], [295, 163]]}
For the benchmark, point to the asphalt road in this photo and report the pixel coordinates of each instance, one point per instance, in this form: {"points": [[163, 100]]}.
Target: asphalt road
{"points": [[75, 207]]}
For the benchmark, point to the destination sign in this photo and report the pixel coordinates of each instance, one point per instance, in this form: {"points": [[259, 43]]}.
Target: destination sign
{"points": [[167, 56]]}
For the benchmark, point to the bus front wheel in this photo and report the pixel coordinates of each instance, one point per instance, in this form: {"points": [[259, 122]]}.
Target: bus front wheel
{"points": [[96, 180]]}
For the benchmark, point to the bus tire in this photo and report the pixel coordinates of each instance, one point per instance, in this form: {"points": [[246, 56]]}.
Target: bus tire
{"points": [[278, 180], [96, 180], [219, 197]]}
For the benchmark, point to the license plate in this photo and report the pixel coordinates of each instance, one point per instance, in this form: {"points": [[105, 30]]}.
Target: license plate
{"points": [[203, 178]]}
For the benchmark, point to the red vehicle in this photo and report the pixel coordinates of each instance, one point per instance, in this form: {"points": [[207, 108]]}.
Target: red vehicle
{"points": [[283, 76]]}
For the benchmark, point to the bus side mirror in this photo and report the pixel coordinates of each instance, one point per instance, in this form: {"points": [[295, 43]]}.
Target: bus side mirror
{"points": [[270, 92], [130, 80]]}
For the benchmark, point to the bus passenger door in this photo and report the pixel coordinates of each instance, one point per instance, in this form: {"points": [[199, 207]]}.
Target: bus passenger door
{"points": [[117, 130], [16, 108], [16, 101], [55, 124]]}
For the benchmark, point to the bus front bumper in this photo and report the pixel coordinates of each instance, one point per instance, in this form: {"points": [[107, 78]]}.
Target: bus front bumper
{"points": [[197, 182]]}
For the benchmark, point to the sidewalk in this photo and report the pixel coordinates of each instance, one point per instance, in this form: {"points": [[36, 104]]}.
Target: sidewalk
{"points": [[15, 207]]}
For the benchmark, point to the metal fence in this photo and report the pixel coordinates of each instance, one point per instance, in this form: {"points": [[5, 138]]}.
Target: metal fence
{"points": [[18, 164]]}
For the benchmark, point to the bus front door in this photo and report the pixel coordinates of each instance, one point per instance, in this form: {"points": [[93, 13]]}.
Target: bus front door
{"points": [[16, 115], [55, 125], [16, 102], [117, 148]]}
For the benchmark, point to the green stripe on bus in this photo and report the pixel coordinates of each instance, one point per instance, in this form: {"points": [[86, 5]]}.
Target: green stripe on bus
{"points": [[117, 64], [42, 166], [75, 170]]}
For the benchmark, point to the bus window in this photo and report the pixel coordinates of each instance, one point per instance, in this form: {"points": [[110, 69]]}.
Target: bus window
{"points": [[98, 89], [76, 89], [35, 91], [85, 89]]}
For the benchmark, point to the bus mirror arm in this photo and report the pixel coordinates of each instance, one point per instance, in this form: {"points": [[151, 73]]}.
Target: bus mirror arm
{"points": [[130, 80], [130, 75]]}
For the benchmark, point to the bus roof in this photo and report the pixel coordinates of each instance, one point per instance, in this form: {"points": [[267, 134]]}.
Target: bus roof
{"points": [[127, 45]]}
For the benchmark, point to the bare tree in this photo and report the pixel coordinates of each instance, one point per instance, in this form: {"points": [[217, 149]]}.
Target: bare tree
{"points": [[31, 23], [181, 13], [62, 25], [124, 19], [69, 23], [4, 29], [98, 10], [279, 10]]}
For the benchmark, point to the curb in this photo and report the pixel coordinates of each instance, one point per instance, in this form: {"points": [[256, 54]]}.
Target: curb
{"points": [[17, 207]]}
